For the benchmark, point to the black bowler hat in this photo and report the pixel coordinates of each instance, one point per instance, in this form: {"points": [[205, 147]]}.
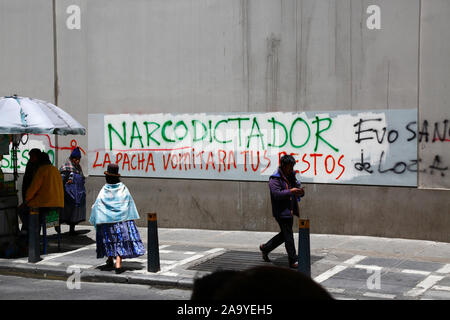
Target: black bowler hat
{"points": [[113, 170]]}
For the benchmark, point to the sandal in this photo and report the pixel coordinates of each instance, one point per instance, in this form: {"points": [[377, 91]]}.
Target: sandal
{"points": [[119, 270]]}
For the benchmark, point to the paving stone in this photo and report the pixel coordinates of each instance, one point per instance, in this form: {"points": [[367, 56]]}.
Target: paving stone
{"points": [[354, 274], [420, 265], [343, 283], [445, 282], [183, 248], [436, 295], [398, 283], [381, 262]]}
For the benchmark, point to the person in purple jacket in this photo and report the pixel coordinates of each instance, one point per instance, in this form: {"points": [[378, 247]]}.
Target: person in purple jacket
{"points": [[285, 192]]}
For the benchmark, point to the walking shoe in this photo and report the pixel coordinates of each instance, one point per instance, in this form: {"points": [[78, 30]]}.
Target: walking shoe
{"points": [[265, 255], [119, 270], [293, 265], [109, 263]]}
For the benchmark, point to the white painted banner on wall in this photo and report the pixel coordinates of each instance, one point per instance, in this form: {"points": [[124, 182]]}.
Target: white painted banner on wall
{"points": [[377, 147]]}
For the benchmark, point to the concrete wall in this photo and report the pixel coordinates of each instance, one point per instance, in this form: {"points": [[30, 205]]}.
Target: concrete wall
{"points": [[434, 96], [187, 56]]}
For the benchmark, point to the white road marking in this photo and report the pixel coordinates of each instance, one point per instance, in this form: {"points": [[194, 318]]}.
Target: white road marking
{"points": [[180, 263], [59, 255], [167, 261], [379, 295], [214, 250], [368, 267], [170, 274], [80, 266], [20, 261], [328, 274], [189, 252], [165, 251], [50, 263], [140, 260], [441, 288], [424, 286], [335, 290], [354, 260], [190, 259], [336, 269], [444, 269], [423, 273]]}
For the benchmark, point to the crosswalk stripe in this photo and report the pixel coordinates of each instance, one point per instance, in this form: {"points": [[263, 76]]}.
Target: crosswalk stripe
{"points": [[341, 267]]}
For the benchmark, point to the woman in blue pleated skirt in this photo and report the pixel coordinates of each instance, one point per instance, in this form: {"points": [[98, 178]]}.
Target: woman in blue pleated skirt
{"points": [[113, 215]]}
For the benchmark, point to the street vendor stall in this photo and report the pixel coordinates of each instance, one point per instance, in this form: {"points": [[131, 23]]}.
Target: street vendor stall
{"points": [[22, 116]]}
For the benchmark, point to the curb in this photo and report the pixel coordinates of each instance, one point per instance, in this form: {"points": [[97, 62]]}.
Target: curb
{"points": [[54, 273]]}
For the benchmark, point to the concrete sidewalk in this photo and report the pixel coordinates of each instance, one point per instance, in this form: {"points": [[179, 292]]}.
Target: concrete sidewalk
{"points": [[349, 267]]}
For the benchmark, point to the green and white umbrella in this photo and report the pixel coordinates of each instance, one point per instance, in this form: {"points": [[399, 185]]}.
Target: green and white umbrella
{"points": [[21, 115]]}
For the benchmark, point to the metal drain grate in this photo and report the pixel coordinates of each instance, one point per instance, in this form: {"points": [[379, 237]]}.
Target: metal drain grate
{"points": [[242, 260]]}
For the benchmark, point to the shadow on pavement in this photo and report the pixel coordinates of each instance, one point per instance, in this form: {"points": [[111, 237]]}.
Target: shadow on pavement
{"points": [[242, 260], [126, 266], [17, 246]]}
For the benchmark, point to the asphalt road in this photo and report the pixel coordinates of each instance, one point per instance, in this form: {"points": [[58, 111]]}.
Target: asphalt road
{"points": [[18, 288]]}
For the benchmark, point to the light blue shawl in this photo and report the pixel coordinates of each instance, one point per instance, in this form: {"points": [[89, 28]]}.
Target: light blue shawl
{"points": [[114, 204]]}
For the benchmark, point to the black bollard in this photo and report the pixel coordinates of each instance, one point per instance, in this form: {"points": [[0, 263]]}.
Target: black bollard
{"points": [[34, 248], [304, 255], [152, 244]]}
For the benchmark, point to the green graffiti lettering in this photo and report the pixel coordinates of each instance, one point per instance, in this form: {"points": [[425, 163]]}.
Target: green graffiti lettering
{"points": [[7, 163], [285, 133], [292, 128], [163, 131], [51, 155], [122, 139], [181, 123], [149, 135], [215, 129], [194, 122], [11, 166], [239, 125], [25, 154], [259, 134], [135, 128], [210, 129], [318, 132]]}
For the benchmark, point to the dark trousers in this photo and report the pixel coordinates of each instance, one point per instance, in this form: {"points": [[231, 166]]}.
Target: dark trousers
{"points": [[286, 235], [24, 214]]}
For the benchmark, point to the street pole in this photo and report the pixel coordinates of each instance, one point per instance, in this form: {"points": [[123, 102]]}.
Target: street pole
{"points": [[152, 244], [304, 254], [34, 248]]}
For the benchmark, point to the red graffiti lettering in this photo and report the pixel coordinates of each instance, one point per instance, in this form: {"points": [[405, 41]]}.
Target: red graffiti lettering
{"points": [[268, 161], [326, 164], [95, 162], [210, 156], [222, 156], [343, 168], [150, 162], [257, 164], [306, 161]]}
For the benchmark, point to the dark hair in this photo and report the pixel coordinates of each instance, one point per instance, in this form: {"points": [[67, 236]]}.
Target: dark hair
{"points": [[34, 151], [287, 159], [43, 159], [206, 287], [259, 283], [112, 179]]}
